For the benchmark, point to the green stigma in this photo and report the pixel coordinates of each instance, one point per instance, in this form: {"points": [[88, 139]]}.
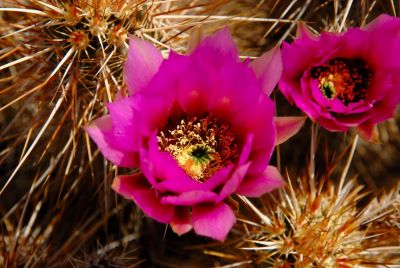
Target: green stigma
{"points": [[202, 154], [328, 89], [201, 146]]}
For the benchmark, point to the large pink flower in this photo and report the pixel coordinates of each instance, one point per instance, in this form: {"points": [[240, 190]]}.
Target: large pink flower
{"points": [[200, 127], [344, 80]]}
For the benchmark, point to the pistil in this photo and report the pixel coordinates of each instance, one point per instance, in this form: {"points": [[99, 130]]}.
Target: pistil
{"points": [[201, 146], [342, 78]]}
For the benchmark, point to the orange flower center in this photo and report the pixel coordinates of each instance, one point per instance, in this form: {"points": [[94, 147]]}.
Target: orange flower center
{"points": [[345, 79], [201, 146]]}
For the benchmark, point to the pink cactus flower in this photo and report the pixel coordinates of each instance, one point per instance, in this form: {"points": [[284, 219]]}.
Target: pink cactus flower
{"points": [[345, 80], [200, 127]]}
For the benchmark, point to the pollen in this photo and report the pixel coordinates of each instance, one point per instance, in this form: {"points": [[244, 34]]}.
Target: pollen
{"points": [[201, 146], [345, 79]]}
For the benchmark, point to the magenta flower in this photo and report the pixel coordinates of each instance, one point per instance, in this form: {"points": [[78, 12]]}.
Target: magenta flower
{"points": [[344, 80], [200, 127]]}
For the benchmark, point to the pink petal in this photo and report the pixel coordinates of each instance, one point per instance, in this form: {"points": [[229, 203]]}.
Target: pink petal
{"points": [[233, 183], [220, 44], [152, 112], [235, 90], [304, 32], [368, 132], [246, 149], [195, 91], [217, 178], [182, 221], [256, 186], [213, 221], [122, 113], [141, 65], [190, 198], [384, 23], [137, 188], [173, 177], [164, 167], [268, 69], [100, 130], [287, 126]]}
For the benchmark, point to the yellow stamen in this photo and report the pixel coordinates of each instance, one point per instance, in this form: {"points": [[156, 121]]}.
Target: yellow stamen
{"points": [[200, 146], [345, 79]]}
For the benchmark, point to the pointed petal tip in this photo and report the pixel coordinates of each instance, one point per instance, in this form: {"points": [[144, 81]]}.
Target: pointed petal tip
{"points": [[136, 187], [117, 186], [383, 22], [217, 39], [304, 32], [275, 176], [214, 221], [142, 63], [103, 123], [182, 220], [255, 186], [220, 41], [100, 131], [180, 229], [268, 69], [287, 126], [369, 133], [126, 184]]}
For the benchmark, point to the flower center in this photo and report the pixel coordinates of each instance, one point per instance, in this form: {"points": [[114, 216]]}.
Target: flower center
{"points": [[346, 79], [201, 146]]}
